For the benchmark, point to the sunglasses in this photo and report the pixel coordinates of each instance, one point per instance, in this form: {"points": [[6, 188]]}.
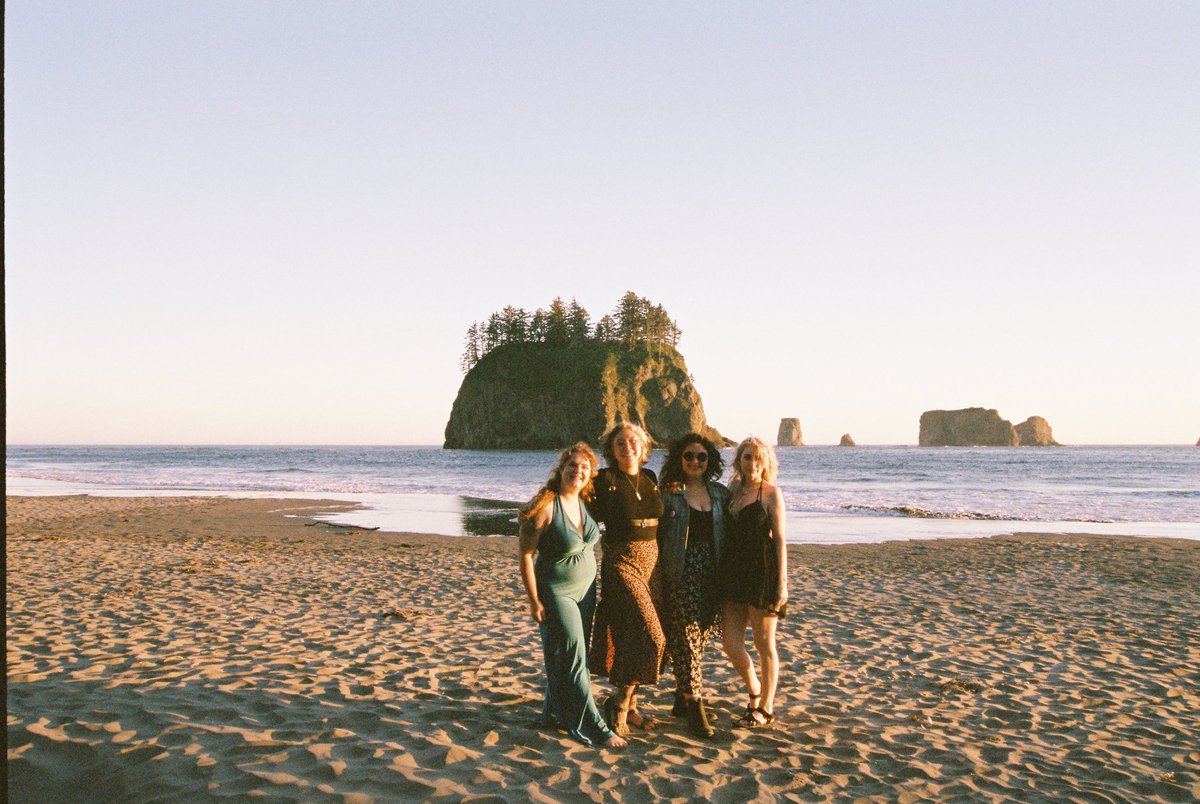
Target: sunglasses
{"points": [[698, 457]]}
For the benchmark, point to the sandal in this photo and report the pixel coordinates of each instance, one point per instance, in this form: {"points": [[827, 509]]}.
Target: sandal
{"points": [[616, 719], [751, 719], [754, 696], [640, 721]]}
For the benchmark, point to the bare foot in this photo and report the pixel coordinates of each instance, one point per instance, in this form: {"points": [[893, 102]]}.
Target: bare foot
{"points": [[616, 741]]}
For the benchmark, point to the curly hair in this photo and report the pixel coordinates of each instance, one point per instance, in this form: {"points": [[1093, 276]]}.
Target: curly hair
{"points": [[672, 468], [643, 439], [553, 484]]}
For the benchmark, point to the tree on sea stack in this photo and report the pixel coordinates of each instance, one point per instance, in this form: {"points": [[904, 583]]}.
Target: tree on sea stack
{"points": [[548, 378]]}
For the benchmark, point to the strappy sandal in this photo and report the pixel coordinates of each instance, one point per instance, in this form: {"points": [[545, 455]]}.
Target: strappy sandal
{"points": [[640, 721], [751, 707], [751, 721], [613, 716]]}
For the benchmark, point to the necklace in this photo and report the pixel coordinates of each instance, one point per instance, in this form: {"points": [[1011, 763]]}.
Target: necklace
{"points": [[637, 490]]}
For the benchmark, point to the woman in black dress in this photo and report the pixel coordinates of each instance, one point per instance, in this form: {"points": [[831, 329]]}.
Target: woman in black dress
{"points": [[627, 640], [752, 575]]}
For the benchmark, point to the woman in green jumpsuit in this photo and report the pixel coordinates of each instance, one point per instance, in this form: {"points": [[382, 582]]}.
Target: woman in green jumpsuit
{"points": [[561, 585]]}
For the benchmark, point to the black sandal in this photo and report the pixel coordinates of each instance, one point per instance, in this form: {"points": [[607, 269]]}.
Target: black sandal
{"points": [[640, 721], [751, 707], [750, 721]]}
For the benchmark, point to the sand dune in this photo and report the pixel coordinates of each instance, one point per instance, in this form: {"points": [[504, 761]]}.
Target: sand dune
{"points": [[173, 649]]}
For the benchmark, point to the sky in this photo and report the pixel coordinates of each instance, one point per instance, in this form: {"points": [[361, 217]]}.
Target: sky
{"points": [[272, 223]]}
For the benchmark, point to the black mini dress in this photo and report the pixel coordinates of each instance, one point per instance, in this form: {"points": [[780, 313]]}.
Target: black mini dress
{"points": [[748, 570]]}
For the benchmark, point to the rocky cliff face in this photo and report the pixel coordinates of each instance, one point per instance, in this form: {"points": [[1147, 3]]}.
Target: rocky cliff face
{"points": [[1035, 432], [968, 427], [789, 434], [548, 396]]}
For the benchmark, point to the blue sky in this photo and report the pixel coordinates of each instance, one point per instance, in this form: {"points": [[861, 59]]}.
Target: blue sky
{"points": [[245, 222]]}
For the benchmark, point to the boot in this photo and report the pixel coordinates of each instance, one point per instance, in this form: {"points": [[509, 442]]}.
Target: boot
{"points": [[698, 723]]}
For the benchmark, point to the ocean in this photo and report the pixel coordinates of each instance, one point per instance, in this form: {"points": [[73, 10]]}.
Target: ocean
{"points": [[833, 494]]}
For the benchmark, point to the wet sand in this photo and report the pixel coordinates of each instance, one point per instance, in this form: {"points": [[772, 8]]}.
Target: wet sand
{"points": [[180, 648]]}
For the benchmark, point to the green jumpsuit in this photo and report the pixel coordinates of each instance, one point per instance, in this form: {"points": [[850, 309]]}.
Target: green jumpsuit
{"points": [[565, 570]]}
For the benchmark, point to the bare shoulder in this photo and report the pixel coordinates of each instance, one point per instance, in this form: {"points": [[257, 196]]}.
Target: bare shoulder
{"points": [[542, 518], [772, 493], [531, 529]]}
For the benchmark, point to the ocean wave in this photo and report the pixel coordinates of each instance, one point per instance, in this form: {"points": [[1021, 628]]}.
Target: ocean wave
{"points": [[921, 513]]}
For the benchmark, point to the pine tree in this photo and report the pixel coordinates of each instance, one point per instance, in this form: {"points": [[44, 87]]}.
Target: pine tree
{"points": [[537, 326], [514, 324], [606, 329], [492, 333], [557, 330], [578, 322], [471, 353]]}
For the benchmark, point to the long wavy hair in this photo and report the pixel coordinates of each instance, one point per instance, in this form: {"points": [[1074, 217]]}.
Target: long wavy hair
{"points": [[672, 469], [643, 439], [770, 464], [553, 484]]}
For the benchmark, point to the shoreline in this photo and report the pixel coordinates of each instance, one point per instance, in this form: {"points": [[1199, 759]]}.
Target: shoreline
{"points": [[461, 516], [186, 647]]}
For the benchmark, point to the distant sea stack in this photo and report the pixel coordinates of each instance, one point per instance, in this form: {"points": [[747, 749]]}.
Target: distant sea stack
{"points": [[847, 441], [982, 427], [789, 434], [548, 396], [968, 427], [546, 379], [1035, 432]]}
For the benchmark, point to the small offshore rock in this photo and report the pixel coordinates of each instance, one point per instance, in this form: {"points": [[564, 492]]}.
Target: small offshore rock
{"points": [[789, 434], [847, 441], [1035, 432]]}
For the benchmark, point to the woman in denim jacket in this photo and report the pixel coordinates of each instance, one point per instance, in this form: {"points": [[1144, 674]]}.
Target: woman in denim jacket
{"points": [[689, 536]]}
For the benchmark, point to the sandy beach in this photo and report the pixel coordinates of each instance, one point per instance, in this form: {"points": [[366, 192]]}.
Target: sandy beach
{"points": [[182, 648]]}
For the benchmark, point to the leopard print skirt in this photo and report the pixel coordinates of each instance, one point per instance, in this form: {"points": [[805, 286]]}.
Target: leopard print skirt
{"points": [[693, 616], [627, 639]]}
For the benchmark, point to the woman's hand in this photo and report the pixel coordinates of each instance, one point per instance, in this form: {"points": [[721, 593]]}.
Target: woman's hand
{"points": [[530, 532], [537, 611]]}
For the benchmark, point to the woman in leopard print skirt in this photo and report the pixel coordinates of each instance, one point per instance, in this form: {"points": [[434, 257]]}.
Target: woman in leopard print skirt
{"points": [[690, 534]]}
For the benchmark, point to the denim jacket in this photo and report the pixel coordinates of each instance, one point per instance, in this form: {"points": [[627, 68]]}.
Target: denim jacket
{"points": [[673, 528]]}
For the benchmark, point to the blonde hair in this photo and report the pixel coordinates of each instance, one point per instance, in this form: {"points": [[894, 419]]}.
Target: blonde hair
{"points": [[553, 484], [770, 463], [643, 439]]}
